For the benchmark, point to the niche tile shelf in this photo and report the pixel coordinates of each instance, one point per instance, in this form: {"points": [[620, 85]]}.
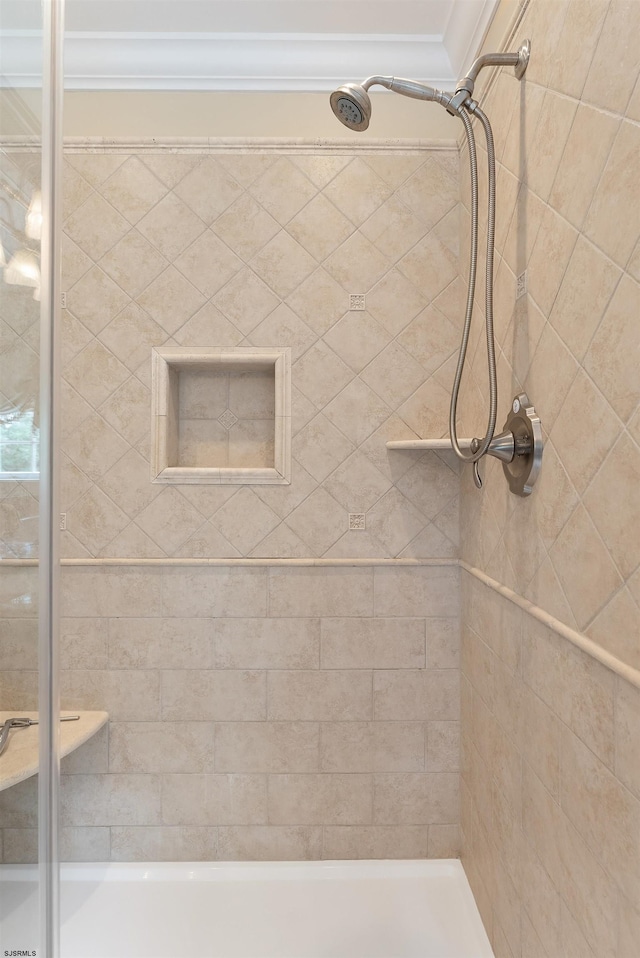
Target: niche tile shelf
{"points": [[20, 759], [221, 415], [423, 444]]}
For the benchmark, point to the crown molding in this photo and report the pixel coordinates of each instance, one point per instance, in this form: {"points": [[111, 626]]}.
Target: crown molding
{"points": [[279, 62]]}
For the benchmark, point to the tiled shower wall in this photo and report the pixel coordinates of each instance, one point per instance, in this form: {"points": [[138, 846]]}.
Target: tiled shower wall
{"points": [[270, 711], [181, 248], [550, 790]]}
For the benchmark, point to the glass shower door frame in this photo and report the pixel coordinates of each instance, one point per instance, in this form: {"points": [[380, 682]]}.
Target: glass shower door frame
{"points": [[49, 567]]}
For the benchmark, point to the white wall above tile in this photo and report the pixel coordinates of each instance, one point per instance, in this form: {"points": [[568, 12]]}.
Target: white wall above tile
{"points": [[107, 50]]}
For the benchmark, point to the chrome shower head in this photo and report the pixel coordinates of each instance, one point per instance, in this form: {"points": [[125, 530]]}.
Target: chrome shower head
{"points": [[352, 106]]}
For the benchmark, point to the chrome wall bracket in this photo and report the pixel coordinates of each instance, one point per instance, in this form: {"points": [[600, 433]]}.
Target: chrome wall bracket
{"points": [[519, 446]]}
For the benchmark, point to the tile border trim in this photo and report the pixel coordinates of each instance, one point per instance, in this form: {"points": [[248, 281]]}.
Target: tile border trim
{"points": [[612, 662], [237, 563], [234, 144]]}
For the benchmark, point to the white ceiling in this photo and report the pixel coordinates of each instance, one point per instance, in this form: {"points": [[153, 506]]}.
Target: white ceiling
{"points": [[246, 44]]}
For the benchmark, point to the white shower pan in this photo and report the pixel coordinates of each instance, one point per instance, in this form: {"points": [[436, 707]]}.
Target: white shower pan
{"points": [[374, 909]]}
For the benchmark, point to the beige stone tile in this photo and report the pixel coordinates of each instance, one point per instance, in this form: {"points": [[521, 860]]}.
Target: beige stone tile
{"points": [[283, 264], [282, 190], [169, 519], [443, 643], [215, 592], [583, 451], [577, 40], [357, 338], [19, 649], [430, 266], [430, 591], [576, 687], [133, 543], [588, 891], [608, 223], [372, 643], [251, 444], [415, 799], [83, 642], [358, 191], [376, 842], [127, 483], [74, 262], [245, 168], [245, 227], [110, 800], [597, 580], [585, 292], [246, 300], [416, 695], [617, 626], [552, 131], [552, 371], [319, 521], [319, 696], [394, 521], [282, 543], [611, 359], [319, 301], [266, 643], [146, 747], [613, 504], [430, 338], [90, 592], [93, 756], [319, 447], [75, 190], [95, 520], [627, 762], [95, 372], [320, 374], [117, 336], [629, 927], [208, 189], [95, 299], [95, 167], [85, 844], [357, 265], [133, 263], [157, 643], [357, 484], [372, 746], [615, 63], [171, 226], [427, 411], [214, 799], [94, 446], [430, 192], [583, 160], [163, 844], [269, 843], [127, 696], [221, 696], [394, 374], [283, 327], [320, 228], [170, 167], [245, 520], [551, 253], [283, 499], [393, 228], [394, 302], [357, 544], [171, 300], [357, 411], [208, 263], [96, 226], [429, 485], [443, 747], [75, 336], [127, 410], [320, 168], [133, 189], [604, 812], [267, 747], [320, 799]]}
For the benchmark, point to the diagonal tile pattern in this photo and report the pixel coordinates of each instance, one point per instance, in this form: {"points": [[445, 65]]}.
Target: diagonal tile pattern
{"points": [[207, 250]]}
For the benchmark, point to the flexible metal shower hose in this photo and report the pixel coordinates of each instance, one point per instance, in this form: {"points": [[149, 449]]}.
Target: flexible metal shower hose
{"points": [[480, 446]]}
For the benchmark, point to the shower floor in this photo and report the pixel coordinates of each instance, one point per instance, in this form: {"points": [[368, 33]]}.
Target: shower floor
{"points": [[377, 909]]}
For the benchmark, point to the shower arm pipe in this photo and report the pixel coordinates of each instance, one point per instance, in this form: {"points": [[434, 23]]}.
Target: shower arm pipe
{"points": [[519, 61]]}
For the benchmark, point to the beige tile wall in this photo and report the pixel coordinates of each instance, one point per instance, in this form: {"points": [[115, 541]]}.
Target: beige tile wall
{"points": [[197, 249], [550, 792], [254, 713], [567, 145], [550, 737]]}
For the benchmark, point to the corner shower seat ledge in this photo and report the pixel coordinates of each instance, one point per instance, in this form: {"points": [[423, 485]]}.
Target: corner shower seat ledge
{"points": [[423, 444], [20, 760]]}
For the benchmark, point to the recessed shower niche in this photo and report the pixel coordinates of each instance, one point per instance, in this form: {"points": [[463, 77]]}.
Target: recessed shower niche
{"points": [[221, 415]]}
